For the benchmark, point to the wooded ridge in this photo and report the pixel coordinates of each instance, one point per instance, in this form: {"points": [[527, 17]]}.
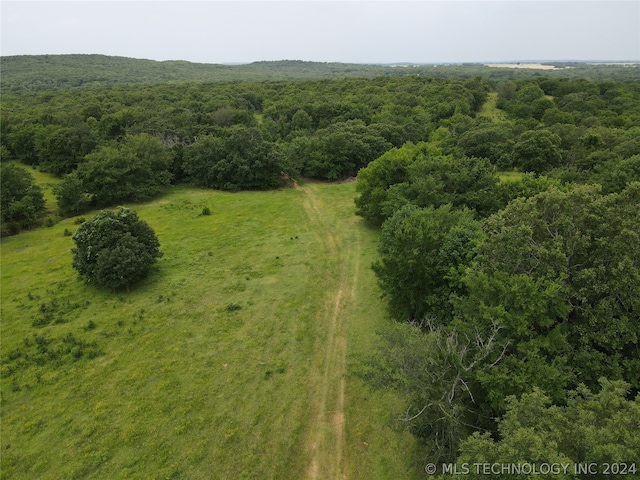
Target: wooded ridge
{"points": [[44, 72]]}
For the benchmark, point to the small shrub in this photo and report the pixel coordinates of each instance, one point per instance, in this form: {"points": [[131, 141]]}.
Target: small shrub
{"points": [[79, 221], [42, 319], [206, 211], [13, 228], [233, 307], [67, 233]]}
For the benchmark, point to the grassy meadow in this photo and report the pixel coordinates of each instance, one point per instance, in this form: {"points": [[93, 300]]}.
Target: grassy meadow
{"points": [[235, 359], [490, 109]]}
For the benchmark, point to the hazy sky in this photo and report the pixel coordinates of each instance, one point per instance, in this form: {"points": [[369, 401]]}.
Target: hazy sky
{"points": [[353, 31]]}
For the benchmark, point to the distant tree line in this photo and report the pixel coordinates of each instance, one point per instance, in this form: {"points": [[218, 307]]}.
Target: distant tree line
{"points": [[76, 71]]}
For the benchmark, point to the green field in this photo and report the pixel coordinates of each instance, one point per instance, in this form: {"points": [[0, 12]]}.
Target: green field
{"points": [[235, 359]]}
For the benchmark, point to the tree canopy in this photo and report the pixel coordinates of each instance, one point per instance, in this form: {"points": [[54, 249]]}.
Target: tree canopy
{"points": [[21, 200], [422, 175], [423, 252], [558, 272], [515, 289], [115, 249], [595, 428], [239, 158]]}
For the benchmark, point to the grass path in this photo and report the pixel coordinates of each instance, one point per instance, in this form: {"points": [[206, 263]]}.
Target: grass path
{"points": [[326, 443], [349, 433], [490, 109]]}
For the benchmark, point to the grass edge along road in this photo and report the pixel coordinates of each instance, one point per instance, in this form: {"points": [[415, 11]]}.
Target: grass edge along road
{"points": [[187, 387]]}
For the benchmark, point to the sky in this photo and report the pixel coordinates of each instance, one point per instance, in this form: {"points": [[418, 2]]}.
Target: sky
{"points": [[361, 31]]}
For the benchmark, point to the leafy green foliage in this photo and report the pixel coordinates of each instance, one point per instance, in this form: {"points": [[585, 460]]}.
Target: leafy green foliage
{"points": [[537, 151], [325, 129], [434, 368], [339, 150], [594, 428], [115, 249], [61, 149], [493, 142], [21, 200], [46, 72], [237, 159], [440, 180], [71, 196], [423, 253], [374, 180], [616, 174], [21, 141], [557, 272], [527, 185], [423, 176], [135, 169]]}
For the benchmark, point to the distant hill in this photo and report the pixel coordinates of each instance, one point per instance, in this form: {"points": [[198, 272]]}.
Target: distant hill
{"points": [[44, 72]]}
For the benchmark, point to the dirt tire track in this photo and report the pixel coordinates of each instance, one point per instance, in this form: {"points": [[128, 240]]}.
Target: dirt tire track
{"points": [[326, 442]]}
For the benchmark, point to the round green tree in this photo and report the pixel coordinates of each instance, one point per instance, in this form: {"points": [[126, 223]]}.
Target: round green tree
{"points": [[115, 249]]}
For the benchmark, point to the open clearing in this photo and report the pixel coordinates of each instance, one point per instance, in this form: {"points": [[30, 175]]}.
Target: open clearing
{"points": [[235, 359], [531, 66]]}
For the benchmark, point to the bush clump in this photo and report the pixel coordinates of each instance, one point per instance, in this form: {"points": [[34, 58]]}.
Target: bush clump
{"points": [[116, 249]]}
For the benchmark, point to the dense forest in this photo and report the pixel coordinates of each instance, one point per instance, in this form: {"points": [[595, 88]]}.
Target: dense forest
{"points": [[508, 209]]}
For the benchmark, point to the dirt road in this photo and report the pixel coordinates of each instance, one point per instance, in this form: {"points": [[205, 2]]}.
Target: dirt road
{"points": [[326, 436]]}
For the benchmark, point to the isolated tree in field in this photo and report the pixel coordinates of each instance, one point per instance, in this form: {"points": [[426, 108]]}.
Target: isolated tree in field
{"points": [[115, 249]]}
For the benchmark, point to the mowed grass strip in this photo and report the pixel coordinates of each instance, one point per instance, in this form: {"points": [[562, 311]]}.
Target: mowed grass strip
{"points": [[201, 371], [377, 444]]}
